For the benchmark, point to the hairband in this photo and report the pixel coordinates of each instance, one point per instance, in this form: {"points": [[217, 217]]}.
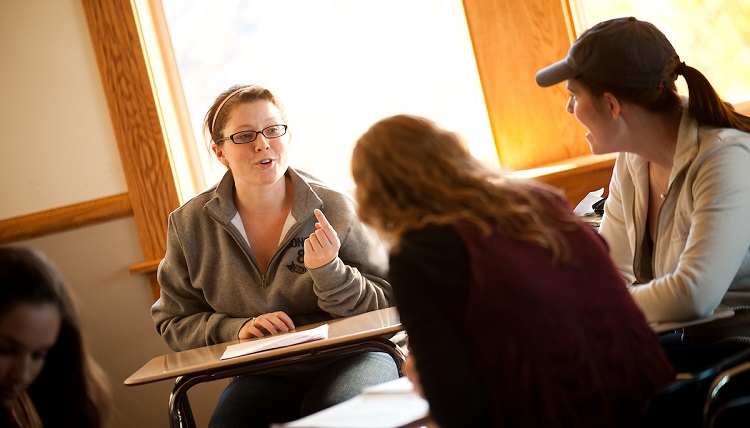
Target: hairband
{"points": [[681, 65], [213, 122], [678, 70]]}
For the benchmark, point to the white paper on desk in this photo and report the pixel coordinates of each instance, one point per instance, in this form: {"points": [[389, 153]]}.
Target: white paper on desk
{"points": [[273, 342], [401, 385], [388, 405], [584, 207]]}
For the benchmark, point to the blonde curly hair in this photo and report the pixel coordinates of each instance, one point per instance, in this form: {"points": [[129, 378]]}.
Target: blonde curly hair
{"points": [[410, 173]]}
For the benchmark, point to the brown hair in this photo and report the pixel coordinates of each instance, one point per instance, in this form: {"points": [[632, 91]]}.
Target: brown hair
{"points": [[704, 104], [218, 115], [410, 173], [71, 389]]}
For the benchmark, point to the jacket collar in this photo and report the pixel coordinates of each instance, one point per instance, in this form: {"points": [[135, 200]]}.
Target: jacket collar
{"points": [[305, 198], [685, 150], [221, 205], [687, 141]]}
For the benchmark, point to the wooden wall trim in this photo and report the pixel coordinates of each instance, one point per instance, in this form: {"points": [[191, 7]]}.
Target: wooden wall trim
{"points": [[135, 119], [576, 177], [743, 107], [145, 267], [69, 217]]}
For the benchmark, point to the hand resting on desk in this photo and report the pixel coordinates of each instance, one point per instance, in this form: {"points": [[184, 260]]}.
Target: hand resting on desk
{"points": [[271, 323]]}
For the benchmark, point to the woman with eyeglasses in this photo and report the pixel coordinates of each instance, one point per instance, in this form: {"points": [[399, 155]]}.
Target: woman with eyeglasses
{"points": [[268, 249]]}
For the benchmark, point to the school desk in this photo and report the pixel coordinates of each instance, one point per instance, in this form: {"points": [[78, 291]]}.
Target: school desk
{"points": [[720, 312], [360, 333]]}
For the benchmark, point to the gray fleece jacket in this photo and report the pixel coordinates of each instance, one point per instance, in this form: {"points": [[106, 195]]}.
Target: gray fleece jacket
{"points": [[211, 284]]}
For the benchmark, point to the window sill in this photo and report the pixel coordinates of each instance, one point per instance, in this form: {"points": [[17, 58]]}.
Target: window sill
{"points": [[576, 177]]}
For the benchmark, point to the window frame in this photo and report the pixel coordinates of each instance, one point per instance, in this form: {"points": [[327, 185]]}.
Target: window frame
{"points": [[136, 121], [524, 138]]}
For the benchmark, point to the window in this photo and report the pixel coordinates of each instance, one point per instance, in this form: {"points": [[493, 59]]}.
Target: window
{"points": [[711, 36], [338, 66], [530, 125]]}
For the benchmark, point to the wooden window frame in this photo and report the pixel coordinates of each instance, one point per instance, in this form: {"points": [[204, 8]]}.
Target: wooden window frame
{"points": [[136, 120], [511, 41]]}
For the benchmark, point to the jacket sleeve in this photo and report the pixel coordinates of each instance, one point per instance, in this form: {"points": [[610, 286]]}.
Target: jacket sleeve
{"points": [[181, 314], [715, 244], [430, 276], [613, 227], [354, 282]]}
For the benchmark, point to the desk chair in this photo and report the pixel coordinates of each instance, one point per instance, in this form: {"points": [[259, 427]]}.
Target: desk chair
{"points": [[729, 396], [681, 404], [733, 414]]}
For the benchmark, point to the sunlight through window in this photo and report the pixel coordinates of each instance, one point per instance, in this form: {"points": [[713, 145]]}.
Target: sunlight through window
{"points": [[711, 36], [338, 66]]}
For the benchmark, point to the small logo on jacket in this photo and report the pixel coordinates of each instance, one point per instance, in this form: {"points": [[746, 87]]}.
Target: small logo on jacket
{"points": [[295, 268]]}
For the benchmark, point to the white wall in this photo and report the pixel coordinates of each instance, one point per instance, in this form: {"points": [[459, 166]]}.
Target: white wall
{"points": [[59, 149], [53, 109]]}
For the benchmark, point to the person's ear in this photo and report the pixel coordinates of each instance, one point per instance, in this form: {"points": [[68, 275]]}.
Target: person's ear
{"points": [[612, 105], [219, 152]]}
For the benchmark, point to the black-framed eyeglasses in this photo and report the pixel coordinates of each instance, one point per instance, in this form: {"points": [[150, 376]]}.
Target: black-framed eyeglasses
{"points": [[244, 137]]}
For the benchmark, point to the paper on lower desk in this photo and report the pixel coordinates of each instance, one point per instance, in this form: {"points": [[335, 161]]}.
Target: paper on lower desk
{"points": [[273, 342], [584, 207], [368, 411], [401, 385]]}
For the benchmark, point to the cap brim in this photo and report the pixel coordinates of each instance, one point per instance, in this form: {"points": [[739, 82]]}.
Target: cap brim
{"points": [[555, 73]]}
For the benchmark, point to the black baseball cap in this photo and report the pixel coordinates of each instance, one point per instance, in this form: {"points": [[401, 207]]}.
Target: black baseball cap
{"points": [[623, 52]]}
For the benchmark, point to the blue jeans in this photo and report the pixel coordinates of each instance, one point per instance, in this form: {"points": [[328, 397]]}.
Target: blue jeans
{"points": [[288, 393]]}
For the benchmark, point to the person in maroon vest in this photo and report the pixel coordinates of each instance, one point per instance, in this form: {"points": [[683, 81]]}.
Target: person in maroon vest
{"points": [[515, 314]]}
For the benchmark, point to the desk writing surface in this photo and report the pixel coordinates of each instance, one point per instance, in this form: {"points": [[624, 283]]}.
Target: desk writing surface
{"points": [[340, 331], [720, 312], [387, 405]]}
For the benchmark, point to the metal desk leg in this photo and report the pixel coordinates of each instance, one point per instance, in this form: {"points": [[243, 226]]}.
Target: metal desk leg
{"points": [[181, 416], [186, 413], [180, 413]]}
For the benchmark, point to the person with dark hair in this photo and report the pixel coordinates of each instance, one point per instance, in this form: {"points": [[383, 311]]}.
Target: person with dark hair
{"points": [[676, 218], [47, 377], [267, 249], [516, 315]]}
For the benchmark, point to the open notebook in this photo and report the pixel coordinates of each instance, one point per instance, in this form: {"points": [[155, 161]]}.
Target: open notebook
{"points": [[388, 405], [277, 341]]}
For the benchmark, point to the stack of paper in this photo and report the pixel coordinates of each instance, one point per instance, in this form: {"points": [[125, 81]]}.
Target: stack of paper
{"points": [[585, 206], [388, 405], [273, 342], [585, 209]]}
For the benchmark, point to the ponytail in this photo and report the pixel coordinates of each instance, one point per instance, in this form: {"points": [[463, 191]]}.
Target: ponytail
{"points": [[706, 106]]}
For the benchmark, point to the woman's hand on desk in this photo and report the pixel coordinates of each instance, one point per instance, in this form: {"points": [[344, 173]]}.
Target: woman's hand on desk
{"points": [[272, 323]]}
